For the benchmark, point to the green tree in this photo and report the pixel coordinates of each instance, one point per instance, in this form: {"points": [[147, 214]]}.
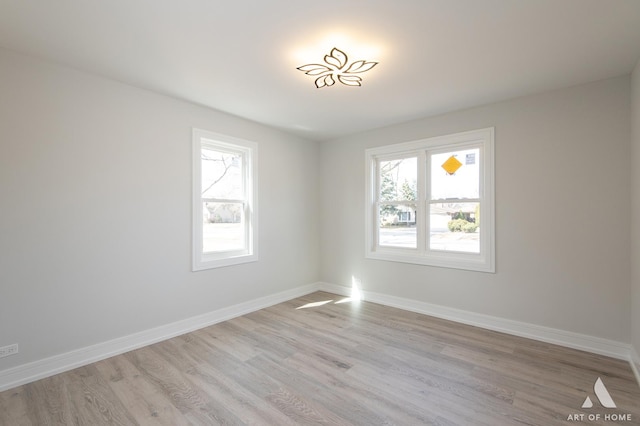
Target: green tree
{"points": [[388, 187], [387, 193], [408, 191]]}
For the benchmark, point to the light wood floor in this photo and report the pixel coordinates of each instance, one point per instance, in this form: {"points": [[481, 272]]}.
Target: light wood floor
{"points": [[334, 363]]}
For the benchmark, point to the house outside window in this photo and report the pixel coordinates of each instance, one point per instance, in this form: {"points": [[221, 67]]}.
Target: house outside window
{"points": [[431, 201], [224, 200]]}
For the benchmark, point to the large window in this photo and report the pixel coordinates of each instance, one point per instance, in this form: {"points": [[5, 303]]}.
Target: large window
{"points": [[224, 200], [430, 202]]}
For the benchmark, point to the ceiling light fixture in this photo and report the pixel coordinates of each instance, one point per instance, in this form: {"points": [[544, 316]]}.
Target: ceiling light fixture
{"points": [[337, 68]]}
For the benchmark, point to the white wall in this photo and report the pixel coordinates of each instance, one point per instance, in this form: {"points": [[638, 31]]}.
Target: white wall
{"points": [[95, 211], [635, 215], [562, 203]]}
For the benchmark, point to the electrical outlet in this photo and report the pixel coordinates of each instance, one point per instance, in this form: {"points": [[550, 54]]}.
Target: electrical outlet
{"points": [[8, 350]]}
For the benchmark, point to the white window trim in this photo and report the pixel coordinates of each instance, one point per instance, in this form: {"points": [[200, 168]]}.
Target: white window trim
{"points": [[485, 260], [249, 151]]}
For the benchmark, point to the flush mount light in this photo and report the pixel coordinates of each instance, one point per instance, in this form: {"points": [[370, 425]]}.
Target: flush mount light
{"points": [[337, 68]]}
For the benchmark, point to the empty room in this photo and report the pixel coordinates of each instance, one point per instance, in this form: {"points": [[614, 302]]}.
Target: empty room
{"points": [[342, 212]]}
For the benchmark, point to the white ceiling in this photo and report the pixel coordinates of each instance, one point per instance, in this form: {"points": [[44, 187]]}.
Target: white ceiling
{"points": [[241, 56]]}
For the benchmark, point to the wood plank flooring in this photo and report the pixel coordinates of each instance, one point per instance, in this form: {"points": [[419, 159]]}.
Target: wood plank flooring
{"points": [[337, 363]]}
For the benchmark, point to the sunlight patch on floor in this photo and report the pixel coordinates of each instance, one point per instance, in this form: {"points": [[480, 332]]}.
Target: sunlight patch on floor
{"points": [[355, 297], [314, 304]]}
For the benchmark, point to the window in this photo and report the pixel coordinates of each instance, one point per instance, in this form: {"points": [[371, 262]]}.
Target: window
{"points": [[224, 200], [430, 201]]}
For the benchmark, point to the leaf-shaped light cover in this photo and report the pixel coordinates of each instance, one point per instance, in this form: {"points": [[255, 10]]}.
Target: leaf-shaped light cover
{"points": [[337, 67]]}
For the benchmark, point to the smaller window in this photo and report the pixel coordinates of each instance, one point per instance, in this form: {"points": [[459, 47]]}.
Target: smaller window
{"points": [[224, 200]]}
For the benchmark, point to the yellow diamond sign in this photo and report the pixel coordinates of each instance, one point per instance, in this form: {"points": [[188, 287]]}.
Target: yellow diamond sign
{"points": [[451, 165]]}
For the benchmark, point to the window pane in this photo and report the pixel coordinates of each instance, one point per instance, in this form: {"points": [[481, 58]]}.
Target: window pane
{"points": [[223, 227], [455, 174], [397, 226], [454, 227], [221, 174], [398, 179]]}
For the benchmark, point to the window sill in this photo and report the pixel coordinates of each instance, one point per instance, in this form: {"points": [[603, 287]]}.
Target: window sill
{"points": [[464, 261], [213, 261]]}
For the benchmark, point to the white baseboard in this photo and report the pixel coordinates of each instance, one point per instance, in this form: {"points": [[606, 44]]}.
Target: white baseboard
{"points": [[635, 363], [40, 369], [569, 339]]}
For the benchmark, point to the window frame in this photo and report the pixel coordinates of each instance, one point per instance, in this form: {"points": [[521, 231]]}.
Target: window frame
{"points": [[423, 149], [249, 151]]}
